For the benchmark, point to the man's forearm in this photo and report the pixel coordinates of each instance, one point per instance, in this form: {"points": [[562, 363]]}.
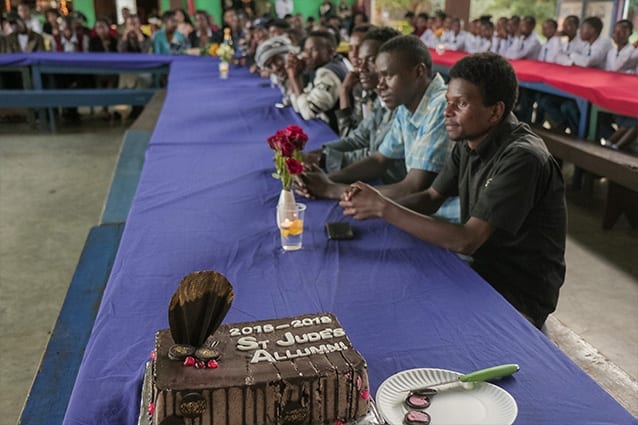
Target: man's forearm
{"points": [[420, 202], [454, 237], [365, 170]]}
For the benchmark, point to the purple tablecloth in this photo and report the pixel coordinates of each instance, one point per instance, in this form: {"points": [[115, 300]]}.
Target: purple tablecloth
{"points": [[104, 60], [206, 200]]}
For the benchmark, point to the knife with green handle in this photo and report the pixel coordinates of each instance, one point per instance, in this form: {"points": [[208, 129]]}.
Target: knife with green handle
{"points": [[476, 376]]}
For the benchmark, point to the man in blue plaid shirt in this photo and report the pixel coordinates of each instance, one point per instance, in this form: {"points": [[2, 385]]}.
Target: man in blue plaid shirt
{"points": [[417, 134]]}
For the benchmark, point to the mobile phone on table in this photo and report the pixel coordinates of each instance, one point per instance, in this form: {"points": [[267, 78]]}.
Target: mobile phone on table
{"points": [[339, 230]]}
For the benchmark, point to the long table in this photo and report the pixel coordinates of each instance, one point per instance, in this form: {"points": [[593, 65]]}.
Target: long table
{"points": [[613, 91], [206, 200]]}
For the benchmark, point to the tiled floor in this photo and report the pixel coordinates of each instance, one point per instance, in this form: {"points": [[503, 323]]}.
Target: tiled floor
{"points": [[52, 189]]}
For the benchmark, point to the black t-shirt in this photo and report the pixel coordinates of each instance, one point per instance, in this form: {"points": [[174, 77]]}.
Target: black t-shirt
{"points": [[512, 182]]}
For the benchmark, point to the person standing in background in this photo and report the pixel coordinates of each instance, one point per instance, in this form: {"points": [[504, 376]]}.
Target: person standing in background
{"points": [[283, 8], [326, 10]]}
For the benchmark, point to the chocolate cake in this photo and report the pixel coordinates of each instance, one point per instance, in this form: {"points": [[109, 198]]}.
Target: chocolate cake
{"points": [[297, 370]]}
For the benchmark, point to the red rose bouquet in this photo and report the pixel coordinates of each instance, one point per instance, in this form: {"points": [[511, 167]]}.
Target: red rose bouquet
{"points": [[288, 144]]}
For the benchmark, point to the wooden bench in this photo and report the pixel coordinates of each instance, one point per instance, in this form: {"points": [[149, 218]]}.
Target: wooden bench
{"points": [[619, 168], [51, 389]]}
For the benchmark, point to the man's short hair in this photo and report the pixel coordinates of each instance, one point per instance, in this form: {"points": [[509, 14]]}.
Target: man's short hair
{"points": [[412, 50], [492, 74], [363, 28], [423, 15], [326, 35], [552, 22], [282, 24], [167, 15], [106, 21], [530, 20], [627, 24], [575, 19], [381, 34], [595, 22], [409, 15]]}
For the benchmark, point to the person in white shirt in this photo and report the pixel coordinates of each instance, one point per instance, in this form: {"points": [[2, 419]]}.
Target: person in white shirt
{"points": [[430, 39], [527, 45], [32, 22], [526, 97], [513, 27], [283, 8], [623, 57], [499, 38], [484, 42], [473, 39], [573, 43], [549, 104], [552, 46], [447, 30], [457, 38], [592, 52]]}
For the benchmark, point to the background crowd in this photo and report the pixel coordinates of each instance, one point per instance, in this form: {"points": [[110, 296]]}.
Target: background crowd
{"points": [[175, 32]]}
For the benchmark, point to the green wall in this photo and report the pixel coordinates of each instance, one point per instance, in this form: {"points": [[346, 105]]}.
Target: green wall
{"points": [[214, 7], [86, 7]]}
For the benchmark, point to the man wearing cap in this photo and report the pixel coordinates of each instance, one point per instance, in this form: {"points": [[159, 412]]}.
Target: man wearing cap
{"points": [[272, 55]]}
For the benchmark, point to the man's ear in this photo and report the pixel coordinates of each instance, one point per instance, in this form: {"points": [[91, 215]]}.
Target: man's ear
{"points": [[498, 110], [422, 70]]}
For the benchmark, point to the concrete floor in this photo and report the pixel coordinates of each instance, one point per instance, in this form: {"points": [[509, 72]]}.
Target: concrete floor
{"points": [[52, 189]]}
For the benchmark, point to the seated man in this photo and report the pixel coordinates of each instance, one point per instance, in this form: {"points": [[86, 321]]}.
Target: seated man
{"points": [[527, 45], [366, 138], [271, 55], [22, 39], [417, 134], [354, 101], [326, 69], [169, 41], [513, 215]]}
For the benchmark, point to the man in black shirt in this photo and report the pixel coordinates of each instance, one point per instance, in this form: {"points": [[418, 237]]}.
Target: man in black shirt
{"points": [[511, 192]]}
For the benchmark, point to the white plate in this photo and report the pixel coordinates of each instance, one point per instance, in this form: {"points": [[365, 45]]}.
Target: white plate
{"points": [[472, 404]]}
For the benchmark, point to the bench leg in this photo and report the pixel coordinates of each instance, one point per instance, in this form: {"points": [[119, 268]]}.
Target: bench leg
{"points": [[619, 200]]}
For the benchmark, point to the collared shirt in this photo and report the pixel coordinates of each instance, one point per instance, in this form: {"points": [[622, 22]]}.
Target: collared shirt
{"points": [[512, 182], [473, 43], [23, 40], [430, 39], [363, 141], [447, 36], [498, 45], [482, 45], [456, 41], [623, 60], [593, 55], [524, 48], [567, 47], [421, 140], [550, 50]]}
